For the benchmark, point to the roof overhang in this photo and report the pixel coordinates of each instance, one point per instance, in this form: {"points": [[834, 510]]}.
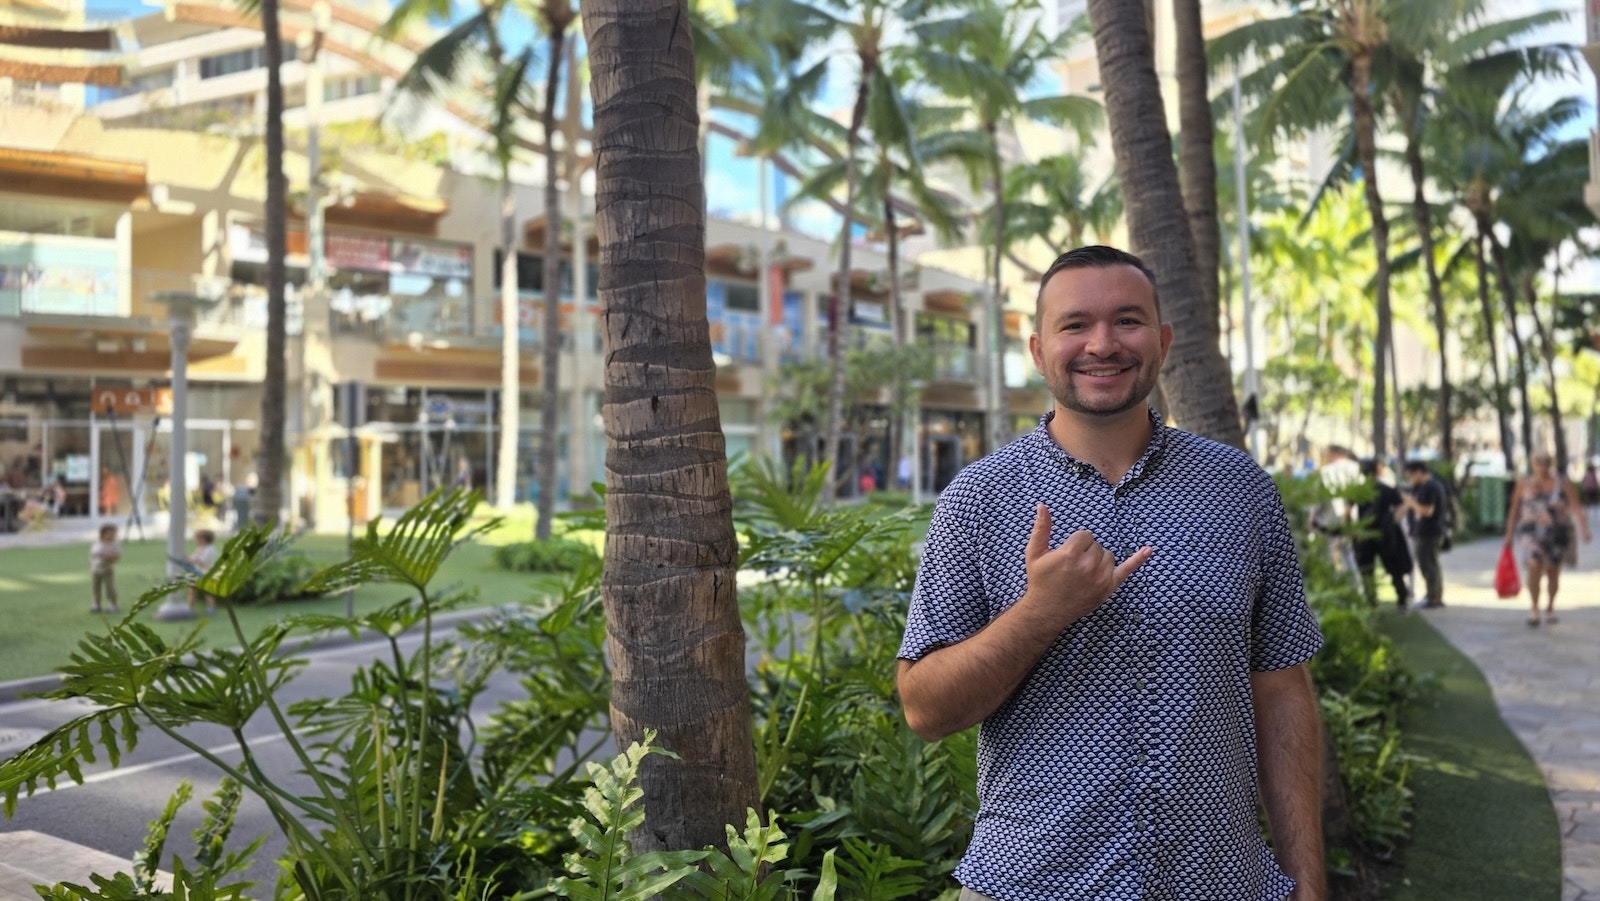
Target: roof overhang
{"points": [[71, 175], [48, 73]]}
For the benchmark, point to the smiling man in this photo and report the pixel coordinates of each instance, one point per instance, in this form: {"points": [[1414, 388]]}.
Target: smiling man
{"points": [[1119, 605]]}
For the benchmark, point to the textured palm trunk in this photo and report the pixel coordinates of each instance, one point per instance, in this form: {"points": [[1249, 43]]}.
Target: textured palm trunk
{"points": [[674, 637], [550, 333], [1508, 297], [1502, 398], [1423, 216], [1547, 351], [1366, 126], [505, 473], [1196, 153], [274, 387], [839, 303], [1196, 376]]}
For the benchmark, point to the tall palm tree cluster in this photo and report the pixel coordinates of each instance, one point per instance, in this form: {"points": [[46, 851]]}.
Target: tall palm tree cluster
{"points": [[901, 116], [1435, 93], [932, 89]]}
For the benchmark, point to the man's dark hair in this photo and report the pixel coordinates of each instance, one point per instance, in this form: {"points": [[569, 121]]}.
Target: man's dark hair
{"points": [[1096, 256], [1418, 466], [1369, 467]]}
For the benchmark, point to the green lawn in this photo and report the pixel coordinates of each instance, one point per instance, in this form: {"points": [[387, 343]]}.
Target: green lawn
{"points": [[1484, 826], [45, 598]]}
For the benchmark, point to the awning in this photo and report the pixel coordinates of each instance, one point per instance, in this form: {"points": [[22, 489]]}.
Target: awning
{"points": [[70, 175]]}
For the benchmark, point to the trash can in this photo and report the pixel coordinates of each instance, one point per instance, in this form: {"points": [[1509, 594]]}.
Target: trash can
{"points": [[241, 507], [1492, 502]]}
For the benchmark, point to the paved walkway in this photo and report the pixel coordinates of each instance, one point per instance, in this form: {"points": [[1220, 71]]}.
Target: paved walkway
{"points": [[1546, 682]]}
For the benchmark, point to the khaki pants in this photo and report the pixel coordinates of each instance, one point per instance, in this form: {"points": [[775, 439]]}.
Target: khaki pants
{"points": [[104, 582], [970, 895]]}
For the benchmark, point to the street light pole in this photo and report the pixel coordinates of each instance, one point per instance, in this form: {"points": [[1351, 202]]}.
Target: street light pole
{"points": [[181, 308], [1241, 193]]}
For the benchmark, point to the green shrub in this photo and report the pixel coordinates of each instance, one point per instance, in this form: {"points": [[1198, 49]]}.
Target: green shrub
{"points": [[1362, 689], [557, 555], [280, 578]]}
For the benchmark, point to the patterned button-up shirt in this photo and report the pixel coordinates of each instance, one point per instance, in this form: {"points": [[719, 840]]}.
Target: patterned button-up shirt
{"points": [[1124, 766]]}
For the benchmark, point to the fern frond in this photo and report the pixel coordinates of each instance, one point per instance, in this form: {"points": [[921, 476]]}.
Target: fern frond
{"points": [[607, 869]]}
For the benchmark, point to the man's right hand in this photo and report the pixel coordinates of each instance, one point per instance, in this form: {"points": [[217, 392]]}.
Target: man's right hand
{"points": [[959, 685], [1072, 580]]}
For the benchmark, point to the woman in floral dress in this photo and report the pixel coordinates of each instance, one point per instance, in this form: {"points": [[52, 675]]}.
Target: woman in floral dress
{"points": [[1544, 512]]}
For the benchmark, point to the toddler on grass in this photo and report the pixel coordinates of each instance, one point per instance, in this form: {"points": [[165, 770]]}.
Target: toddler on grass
{"points": [[103, 557]]}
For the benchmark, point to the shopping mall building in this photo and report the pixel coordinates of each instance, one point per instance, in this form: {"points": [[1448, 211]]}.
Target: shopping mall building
{"points": [[112, 199]]}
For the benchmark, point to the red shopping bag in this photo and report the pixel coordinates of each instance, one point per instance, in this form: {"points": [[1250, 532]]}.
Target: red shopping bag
{"points": [[1507, 583]]}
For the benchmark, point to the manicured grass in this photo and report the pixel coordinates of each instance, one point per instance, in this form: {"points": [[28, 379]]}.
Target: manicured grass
{"points": [[1484, 826], [45, 596]]}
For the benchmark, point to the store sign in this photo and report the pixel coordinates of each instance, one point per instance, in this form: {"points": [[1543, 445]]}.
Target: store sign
{"points": [[247, 243], [130, 400], [433, 258], [367, 253]]}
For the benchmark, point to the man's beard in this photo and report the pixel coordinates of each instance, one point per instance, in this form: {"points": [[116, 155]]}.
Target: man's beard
{"points": [[1061, 387]]}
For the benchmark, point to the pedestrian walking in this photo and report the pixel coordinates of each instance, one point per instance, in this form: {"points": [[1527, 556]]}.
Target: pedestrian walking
{"points": [[1119, 605], [1383, 540], [1545, 510], [1425, 511]]}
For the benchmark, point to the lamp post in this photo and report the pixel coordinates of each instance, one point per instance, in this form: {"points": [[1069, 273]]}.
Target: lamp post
{"points": [[1241, 190], [181, 310]]}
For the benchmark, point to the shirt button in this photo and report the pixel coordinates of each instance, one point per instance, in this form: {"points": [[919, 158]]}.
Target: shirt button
{"points": [[1141, 825], [1135, 618], [1141, 758], [1138, 684]]}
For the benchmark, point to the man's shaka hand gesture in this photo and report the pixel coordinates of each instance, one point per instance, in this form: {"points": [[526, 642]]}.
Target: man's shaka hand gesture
{"points": [[1070, 581]]}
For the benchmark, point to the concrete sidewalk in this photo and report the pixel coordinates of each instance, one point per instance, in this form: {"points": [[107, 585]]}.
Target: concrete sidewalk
{"points": [[1546, 682], [33, 858]]}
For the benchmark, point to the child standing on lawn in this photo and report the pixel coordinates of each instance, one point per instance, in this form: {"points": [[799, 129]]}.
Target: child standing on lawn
{"points": [[103, 557], [205, 554]]}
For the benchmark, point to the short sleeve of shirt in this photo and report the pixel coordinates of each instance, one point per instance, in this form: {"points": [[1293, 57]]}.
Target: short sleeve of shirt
{"points": [[1429, 494], [1284, 631], [948, 603]]}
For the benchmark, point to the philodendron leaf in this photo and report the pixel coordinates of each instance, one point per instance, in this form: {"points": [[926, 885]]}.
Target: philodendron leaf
{"points": [[413, 550]]}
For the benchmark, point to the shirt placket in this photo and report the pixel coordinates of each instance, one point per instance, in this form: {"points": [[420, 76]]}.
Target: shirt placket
{"points": [[1143, 731]]}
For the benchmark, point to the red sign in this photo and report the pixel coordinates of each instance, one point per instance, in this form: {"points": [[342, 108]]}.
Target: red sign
{"points": [[364, 252]]}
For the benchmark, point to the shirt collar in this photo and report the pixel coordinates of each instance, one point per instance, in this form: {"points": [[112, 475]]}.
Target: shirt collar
{"points": [[1160, 434]]}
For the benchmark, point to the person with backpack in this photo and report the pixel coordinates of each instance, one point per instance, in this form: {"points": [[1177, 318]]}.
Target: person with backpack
{"points": [[1426, 505]]}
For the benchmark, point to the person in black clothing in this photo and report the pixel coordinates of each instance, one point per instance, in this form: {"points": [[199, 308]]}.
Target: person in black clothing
{"points": [[1384, 541], [1424, 507]]}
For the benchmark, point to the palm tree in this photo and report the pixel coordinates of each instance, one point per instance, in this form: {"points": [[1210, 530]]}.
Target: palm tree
{"points": [[1467, 53], [1485, 140], [476, 43], [479, 39], [269, 462], [1543, 203], [1199, 385], [1196, 153], [554, 16], [1353, 44], [676, 642], [908, 136], [1054, 200], [993, 56], [799, 33]]}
